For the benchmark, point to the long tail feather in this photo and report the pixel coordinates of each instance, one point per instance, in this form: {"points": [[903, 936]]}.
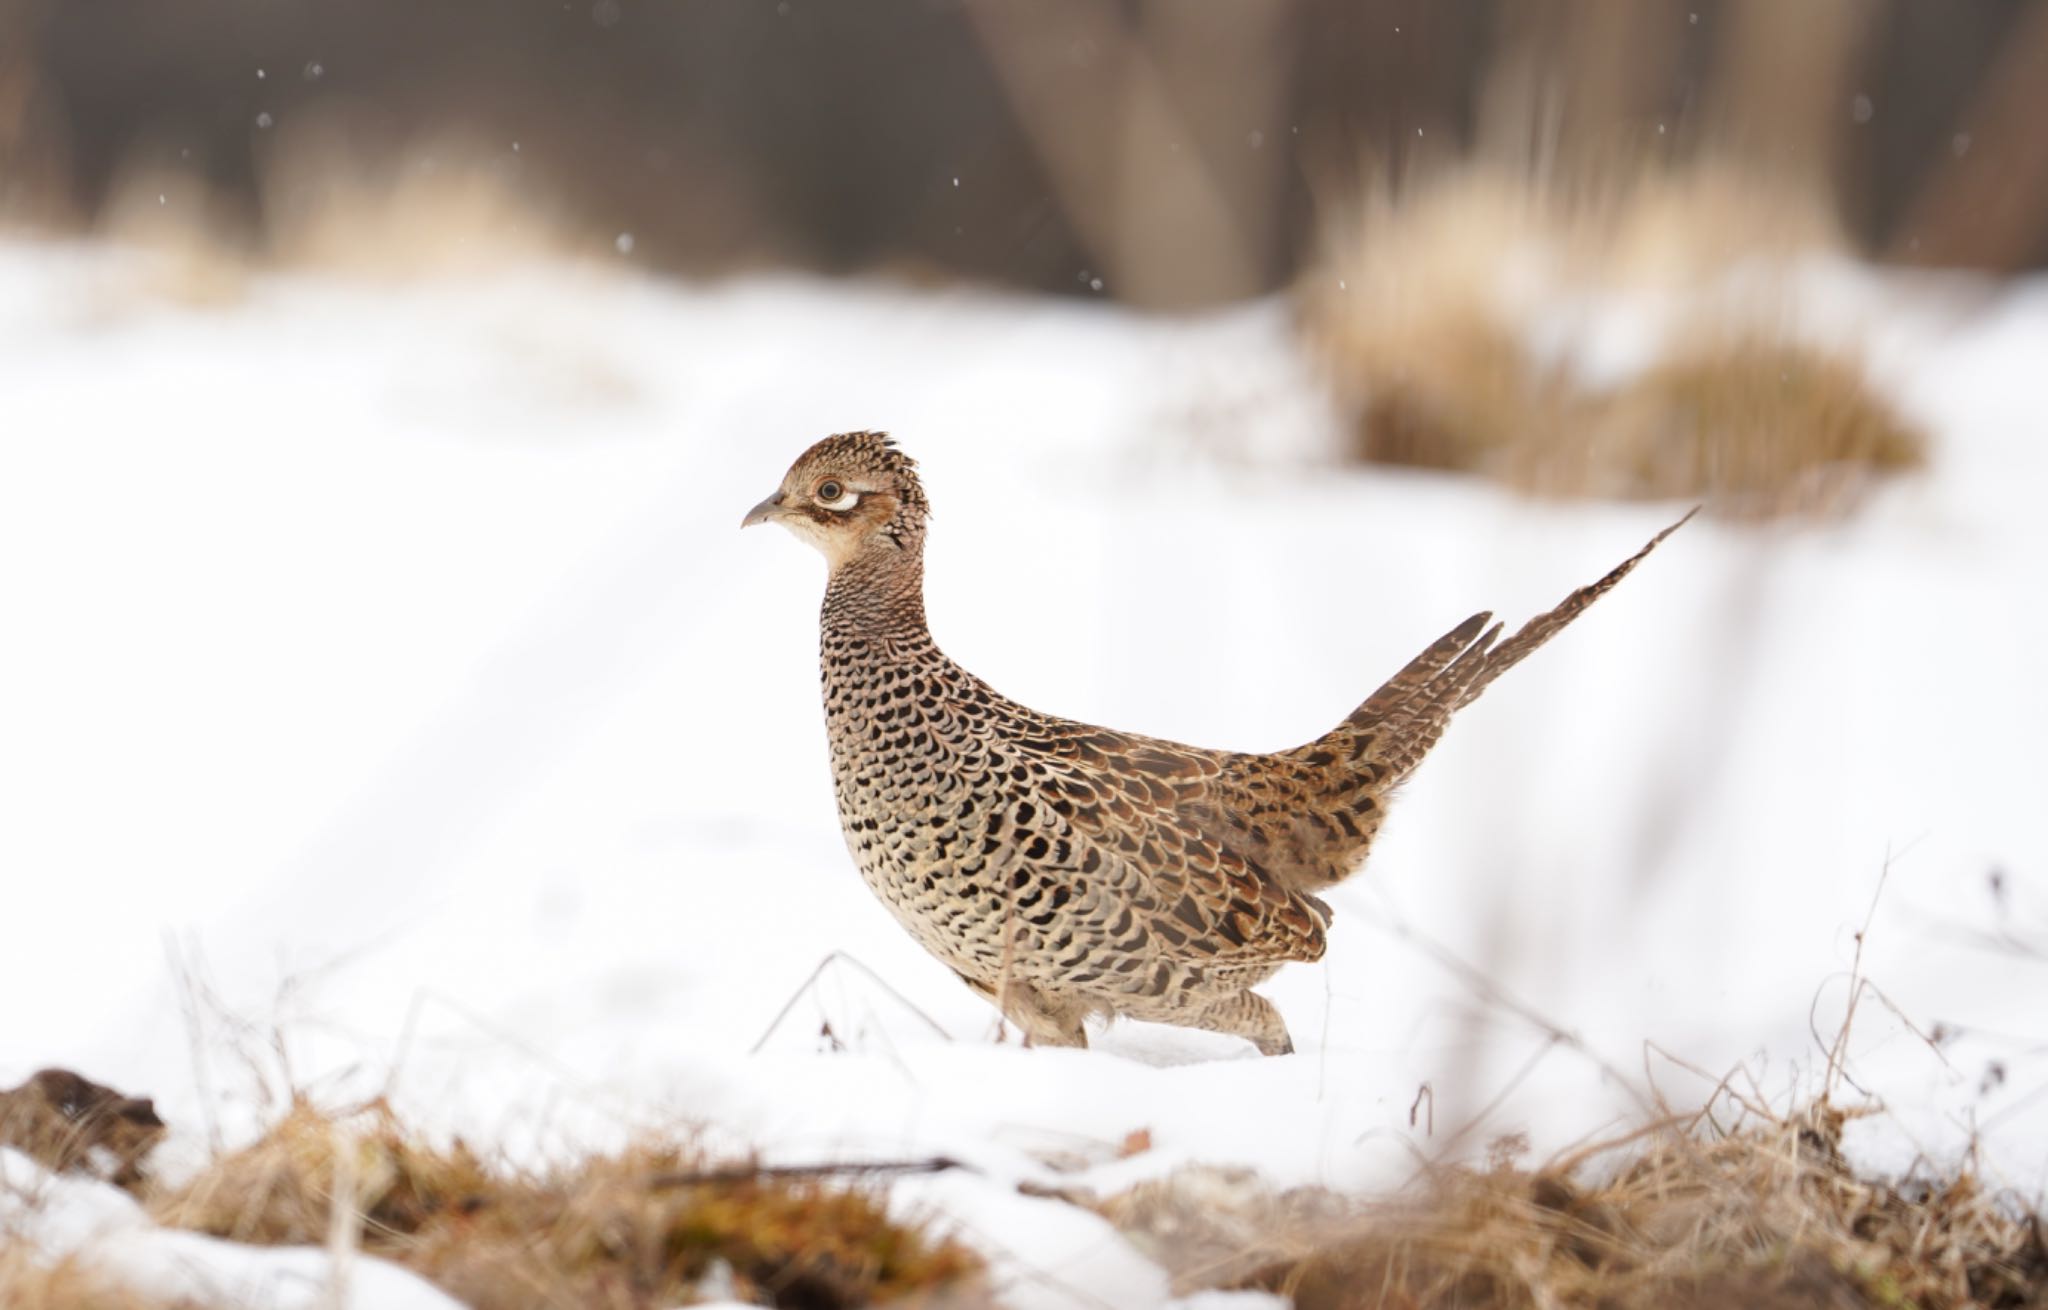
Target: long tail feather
{"points": [[1396, 726]]}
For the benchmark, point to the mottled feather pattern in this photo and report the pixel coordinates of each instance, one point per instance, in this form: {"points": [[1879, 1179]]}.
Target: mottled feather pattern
{"points": [[1065, 870]]}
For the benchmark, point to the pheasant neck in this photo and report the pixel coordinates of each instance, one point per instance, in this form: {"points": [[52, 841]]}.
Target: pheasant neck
{"points": [[878, 595]]}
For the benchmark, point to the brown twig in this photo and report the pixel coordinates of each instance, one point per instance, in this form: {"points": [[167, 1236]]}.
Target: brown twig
{"points": [[1425, 1100], [1838, 1049], [786, 1172]]}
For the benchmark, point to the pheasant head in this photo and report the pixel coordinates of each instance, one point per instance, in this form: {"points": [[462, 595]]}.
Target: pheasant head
{"points": [[850, 495]]}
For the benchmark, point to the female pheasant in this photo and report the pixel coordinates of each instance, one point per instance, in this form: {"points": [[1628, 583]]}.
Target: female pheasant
{"points": [[1064, 870]]}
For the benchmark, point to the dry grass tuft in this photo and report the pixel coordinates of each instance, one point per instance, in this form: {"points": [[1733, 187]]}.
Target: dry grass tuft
{"points": [[1425, 321], [446, 206], [29, 1283], [1761, 424], [1768, 1216], [449, 203], [599, 1233], [279, 1189]]}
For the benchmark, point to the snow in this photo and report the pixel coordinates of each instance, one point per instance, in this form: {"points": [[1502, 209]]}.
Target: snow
{"points": [[386, 672]]}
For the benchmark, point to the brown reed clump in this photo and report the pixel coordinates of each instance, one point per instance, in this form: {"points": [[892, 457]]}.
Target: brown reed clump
{"points": [[1762, 425], [1423, 324]]}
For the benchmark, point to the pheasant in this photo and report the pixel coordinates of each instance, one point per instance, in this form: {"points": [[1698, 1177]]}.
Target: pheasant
{"points": [[1066, 871]]}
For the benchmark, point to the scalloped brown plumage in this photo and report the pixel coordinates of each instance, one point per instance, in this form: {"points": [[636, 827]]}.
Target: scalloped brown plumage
{"points": [[1065, 870]]}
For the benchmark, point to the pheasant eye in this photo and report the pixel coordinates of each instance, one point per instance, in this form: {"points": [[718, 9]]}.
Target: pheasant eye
{"points": [[832, 495]]}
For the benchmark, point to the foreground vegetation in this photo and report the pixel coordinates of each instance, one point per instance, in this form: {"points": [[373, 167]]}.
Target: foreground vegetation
{"points": [[647, 1226], [1678, 1213]]}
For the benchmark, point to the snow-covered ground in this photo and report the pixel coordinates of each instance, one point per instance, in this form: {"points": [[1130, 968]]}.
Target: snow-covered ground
{"points": [[383, 672]]}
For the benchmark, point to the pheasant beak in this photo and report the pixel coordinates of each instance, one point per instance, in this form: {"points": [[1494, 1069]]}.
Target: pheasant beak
{"points": [[766, 510]]}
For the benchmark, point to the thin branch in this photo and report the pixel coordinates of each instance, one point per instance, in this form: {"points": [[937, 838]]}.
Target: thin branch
{"points": [[841, 957], [786, 1172], [1837, 1050], [1490, 991], [1509, 1088]]}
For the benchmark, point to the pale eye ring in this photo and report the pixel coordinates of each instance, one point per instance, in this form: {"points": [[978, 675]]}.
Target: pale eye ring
{"points": [[831, 494]]}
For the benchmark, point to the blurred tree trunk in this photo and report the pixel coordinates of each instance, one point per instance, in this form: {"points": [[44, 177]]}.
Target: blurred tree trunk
{"points": [[1159, 159], [31, 137], [1782, 97], [1589, 83], [1985, 203]]}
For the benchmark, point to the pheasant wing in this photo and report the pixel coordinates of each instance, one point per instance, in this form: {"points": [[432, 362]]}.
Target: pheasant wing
{"points": [[1155, 811]]}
